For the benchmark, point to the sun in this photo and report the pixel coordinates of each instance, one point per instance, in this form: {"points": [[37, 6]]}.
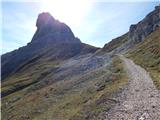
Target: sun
{"points": [[71, 12]]}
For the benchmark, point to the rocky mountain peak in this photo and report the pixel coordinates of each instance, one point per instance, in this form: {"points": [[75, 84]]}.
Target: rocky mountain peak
{"points": [[44, 18], [50, 30]]}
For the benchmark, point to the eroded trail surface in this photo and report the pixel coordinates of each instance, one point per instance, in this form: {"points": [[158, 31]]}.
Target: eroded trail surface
{"points": [[141, 100]]}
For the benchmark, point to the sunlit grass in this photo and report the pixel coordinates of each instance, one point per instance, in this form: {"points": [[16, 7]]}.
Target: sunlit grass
{"points": [[147, 55]]}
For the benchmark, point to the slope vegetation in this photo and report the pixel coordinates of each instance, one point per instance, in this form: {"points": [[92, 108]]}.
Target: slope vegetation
{"points": [[147, 55], [57, 96]]}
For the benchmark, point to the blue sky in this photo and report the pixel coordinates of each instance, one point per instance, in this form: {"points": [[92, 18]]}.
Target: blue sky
{"points": [[102, 22]]}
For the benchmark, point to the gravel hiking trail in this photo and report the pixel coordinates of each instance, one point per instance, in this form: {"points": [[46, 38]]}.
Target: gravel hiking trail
{"points": [[140, 100]]}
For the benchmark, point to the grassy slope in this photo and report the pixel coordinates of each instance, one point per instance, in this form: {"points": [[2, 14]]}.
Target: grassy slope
{"points": [[147, 54], [81, 97], [28, 76], [115, 43], [33, 71], [104, 97]]}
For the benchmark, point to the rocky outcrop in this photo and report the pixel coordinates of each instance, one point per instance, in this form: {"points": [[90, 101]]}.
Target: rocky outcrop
{"points": [[137, 33], [52, 31], [149, 24]]}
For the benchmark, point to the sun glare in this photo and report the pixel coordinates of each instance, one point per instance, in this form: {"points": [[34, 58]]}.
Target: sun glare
{"points": [[71, 12]]}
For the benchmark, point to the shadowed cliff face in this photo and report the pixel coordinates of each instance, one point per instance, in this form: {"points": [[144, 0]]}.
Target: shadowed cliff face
{"points": [[52, 39], [52, 31], [149, 24], [44, 19]]}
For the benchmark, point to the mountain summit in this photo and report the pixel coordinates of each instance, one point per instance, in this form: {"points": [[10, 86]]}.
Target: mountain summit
{"points": [[52, 31]]}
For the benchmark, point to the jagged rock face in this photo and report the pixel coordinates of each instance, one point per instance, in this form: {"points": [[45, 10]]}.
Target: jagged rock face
{"points": [[150, 23], [52, 31], [137, 33]]}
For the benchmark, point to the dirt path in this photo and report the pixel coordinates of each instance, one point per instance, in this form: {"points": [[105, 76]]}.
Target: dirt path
{"points": [[141, 100]]}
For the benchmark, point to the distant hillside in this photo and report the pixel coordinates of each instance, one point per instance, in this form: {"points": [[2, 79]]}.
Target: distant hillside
{"points": [[115, 43]]}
